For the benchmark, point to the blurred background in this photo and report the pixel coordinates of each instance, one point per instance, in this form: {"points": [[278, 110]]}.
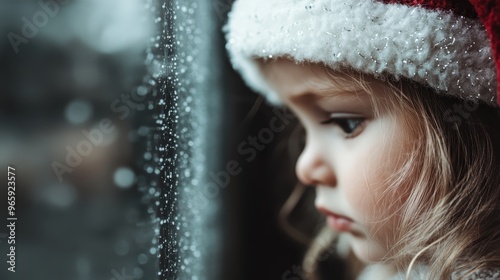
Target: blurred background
{"points": [[65, 67], [131, 139]]}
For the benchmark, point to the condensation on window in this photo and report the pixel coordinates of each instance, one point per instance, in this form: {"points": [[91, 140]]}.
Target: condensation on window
{"points": [[183, 72]]}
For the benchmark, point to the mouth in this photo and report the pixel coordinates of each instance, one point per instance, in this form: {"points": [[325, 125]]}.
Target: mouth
{"points": [[336, 221]]}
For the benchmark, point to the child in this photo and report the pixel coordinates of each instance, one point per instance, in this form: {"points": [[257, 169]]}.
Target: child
{"points": [[399, 103]]}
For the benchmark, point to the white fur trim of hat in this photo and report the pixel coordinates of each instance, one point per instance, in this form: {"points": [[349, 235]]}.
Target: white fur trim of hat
{"points": [[447, 52]]}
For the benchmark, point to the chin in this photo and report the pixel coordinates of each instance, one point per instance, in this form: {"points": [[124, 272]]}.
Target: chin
{"points": [[367, 251]]}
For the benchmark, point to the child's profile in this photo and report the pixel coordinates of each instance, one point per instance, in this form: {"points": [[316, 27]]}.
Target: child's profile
{"points": [[410, 192]]}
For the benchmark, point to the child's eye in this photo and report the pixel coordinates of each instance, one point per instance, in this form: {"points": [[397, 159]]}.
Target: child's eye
{"points": [[350, 125]]}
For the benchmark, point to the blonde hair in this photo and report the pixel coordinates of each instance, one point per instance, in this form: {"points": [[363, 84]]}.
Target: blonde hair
{"points": [[451, 218]]}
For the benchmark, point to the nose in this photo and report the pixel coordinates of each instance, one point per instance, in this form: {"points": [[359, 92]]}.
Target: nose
{"points": [[313, 168]]}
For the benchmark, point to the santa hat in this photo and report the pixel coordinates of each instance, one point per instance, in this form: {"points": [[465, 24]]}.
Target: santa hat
{"points": [[451, 46]]}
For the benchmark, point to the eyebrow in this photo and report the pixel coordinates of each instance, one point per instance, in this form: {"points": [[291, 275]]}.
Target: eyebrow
{"points": [[320, 94]]}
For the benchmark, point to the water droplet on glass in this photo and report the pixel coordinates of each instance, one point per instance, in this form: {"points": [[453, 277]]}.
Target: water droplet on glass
{"points": [[152, 251], [142, 259], [59, 194], [78, 112], [124, 177]]}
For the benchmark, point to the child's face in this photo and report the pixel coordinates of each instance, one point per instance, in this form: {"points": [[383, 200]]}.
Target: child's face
{"points": [[349, 156]]}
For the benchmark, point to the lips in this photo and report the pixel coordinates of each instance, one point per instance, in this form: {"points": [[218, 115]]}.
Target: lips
{"points": [[337, 222]]}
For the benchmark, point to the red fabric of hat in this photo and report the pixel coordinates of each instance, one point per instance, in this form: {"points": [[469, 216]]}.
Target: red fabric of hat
{"points": [[489, 13]]}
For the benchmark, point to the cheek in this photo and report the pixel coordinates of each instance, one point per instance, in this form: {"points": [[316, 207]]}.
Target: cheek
{"points": [[370, 167], [365, 191], [372, 209], [369, 193]]}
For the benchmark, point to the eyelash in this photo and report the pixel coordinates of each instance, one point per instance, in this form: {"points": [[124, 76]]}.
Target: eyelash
{"points": [[345, 124]]}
